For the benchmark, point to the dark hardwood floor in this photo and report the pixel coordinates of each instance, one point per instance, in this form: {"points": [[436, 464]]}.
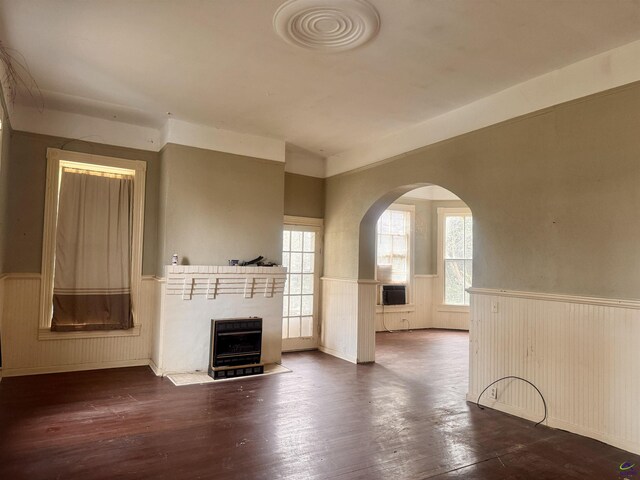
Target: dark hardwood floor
{"points": [[404, 417]]}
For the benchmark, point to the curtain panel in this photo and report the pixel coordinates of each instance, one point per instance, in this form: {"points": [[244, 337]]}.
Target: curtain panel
{"points": [[92, 276]]}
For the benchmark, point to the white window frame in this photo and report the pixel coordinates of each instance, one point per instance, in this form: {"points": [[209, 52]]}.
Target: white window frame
{"points": [[56, 159], [444, 212], [316, 225], [411, 254]]}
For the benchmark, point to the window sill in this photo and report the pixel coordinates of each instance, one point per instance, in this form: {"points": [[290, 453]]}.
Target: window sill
{"points": [[409, 307], [453, 308], [47, 334]]}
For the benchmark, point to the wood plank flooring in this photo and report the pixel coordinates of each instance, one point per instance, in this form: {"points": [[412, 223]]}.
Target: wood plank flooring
{"points": [[404, 417]]}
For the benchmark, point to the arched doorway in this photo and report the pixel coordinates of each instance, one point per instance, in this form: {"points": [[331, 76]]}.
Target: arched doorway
{"points": [[415, 263]]}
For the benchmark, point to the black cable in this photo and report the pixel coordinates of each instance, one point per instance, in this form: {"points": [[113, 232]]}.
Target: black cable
{"points": [[383, 322], [517, 378]]}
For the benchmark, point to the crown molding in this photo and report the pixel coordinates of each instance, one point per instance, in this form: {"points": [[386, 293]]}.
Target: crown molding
{"points": [[611, 69]]}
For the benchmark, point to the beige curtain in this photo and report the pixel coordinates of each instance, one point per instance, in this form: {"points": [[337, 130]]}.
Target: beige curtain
{"points": [[92, 278]]}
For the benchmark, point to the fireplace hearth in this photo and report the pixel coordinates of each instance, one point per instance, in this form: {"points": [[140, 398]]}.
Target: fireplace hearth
{"points": [[236, 347]]}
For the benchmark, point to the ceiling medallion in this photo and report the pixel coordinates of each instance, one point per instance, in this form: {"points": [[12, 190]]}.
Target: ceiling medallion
{"points": [[326, 25]]}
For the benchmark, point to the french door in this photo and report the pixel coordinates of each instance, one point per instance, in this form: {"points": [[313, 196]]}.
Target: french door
{"points": [[301, 254]]}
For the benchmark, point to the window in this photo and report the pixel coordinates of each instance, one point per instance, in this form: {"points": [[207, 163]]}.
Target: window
{"points": [[393, 245], [92, 248], [301, 254], [457, 254]]}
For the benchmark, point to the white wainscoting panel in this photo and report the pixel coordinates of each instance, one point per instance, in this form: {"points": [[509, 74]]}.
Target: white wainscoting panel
{"points": [[417, 315], [581, 352], [24, 354], [339, 317], [158, 330], [423, 299], [444, 317], [395, 318], [367, 290]]}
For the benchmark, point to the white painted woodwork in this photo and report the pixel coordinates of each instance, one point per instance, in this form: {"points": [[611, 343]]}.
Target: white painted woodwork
{"points": [[423, 300], [339, 313], [417, 314], [23, 353], [158, 331], [306, 224], [398, 317], [189, 303], [212, 138], [426, 310], [450, 318], [581, 352], [367, 293]]}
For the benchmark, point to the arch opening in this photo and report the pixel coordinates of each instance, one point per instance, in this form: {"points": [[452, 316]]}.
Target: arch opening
{"points": [[431, 260]]}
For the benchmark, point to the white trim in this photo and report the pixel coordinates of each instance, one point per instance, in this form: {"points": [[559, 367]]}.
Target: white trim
{"points": [[347, 280], [77, 367], [303, 221], [316, 225], [155, 369], [440, 306], [363, 281], [211, 138], [408, 307], [55, 160], [605, 71], [452, 308], [84, 127], [425, 275], [46, 334], [558, 297]]}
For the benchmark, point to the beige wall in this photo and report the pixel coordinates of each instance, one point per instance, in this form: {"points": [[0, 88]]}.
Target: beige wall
{"points": [[218, 206], [25, 197], [303, 196], [555, 197]]}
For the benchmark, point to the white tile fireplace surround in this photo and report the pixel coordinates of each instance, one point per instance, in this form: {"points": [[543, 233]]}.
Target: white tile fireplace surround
{"points": [[193, 295]]}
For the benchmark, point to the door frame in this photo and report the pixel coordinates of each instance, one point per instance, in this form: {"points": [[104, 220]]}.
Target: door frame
{"points": [[316, 225]]}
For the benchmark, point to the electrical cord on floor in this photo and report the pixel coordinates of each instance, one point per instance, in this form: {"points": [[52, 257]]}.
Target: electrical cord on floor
{"points": [[383, 322], [516, 378], [408, 324]]}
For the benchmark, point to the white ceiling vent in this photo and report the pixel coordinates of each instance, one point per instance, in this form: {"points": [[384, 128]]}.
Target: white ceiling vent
{"points": [[326, 25]]}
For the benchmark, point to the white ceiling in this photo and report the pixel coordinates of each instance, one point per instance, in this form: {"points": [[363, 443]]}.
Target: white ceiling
{"points": [[430, 192], [220, 63]]}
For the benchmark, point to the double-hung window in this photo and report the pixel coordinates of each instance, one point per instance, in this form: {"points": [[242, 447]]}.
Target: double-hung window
{"points": [[393, 245], [456, 226]]}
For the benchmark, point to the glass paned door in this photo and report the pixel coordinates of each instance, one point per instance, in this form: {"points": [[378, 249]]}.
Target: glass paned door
{"points": [[301, 256]]}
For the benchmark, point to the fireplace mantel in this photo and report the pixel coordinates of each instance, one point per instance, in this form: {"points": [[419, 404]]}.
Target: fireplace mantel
{"points": [[212, 281], [193, 295]]}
